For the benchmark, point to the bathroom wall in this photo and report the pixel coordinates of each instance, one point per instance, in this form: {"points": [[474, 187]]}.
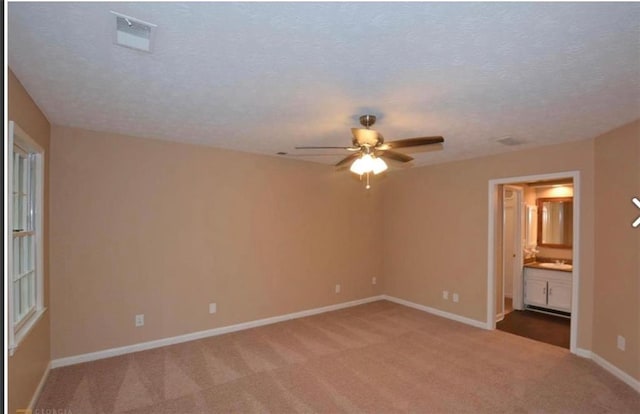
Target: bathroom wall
{"points": [[530, 223]]}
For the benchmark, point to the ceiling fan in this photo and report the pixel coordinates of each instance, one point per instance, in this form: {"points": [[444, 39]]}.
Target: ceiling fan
{"points": [[368, 146]]}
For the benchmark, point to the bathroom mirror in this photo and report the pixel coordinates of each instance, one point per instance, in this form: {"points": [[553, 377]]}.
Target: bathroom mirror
{"points": [[555, 222]]}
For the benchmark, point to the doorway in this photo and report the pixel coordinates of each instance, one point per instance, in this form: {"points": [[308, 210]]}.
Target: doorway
{"points": [[508, 245]]}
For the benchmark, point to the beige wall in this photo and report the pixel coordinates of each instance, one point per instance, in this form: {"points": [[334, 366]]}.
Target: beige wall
{"points": [[145, 226], [435, 227], [617, 260], [27, 366], [163, 229]]}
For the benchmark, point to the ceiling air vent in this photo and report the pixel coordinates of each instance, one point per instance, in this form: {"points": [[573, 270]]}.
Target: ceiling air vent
{"points": [[133, 33], [510, 141]]}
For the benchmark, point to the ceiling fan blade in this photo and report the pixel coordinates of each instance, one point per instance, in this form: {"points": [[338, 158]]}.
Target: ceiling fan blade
{"points": [[348, 158], [398, 156], [414, 142], [346, 148]]}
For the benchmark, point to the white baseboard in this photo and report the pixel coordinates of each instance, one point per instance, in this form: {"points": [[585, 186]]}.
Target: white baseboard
{"points": [[38, 391], [584, 353], [608, 366], [107, 353], [626, 378], [437, 312]]}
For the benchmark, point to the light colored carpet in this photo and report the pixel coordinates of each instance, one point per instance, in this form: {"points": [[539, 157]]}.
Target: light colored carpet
{"points": [[378, 358]]}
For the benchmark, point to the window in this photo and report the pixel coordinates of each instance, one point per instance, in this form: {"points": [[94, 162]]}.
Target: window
{"points": [[24, 245]]}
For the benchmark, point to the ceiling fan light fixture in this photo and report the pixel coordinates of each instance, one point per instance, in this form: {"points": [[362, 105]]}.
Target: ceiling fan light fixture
{"points": [[359, 166], [379, 165], [367, 164]]}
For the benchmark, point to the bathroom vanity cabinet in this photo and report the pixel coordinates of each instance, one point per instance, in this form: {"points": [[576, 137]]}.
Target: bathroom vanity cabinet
{"points": [[547, 289]]}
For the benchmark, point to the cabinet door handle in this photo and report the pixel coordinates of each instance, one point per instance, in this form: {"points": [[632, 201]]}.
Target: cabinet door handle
{"points": [[544, 290]]}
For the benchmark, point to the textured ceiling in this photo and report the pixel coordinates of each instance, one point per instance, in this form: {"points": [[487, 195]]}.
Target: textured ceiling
{"points": [[265, 77]]}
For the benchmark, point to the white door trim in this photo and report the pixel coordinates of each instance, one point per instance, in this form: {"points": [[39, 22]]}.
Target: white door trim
{"points": [[516, 291], [493, 194]]}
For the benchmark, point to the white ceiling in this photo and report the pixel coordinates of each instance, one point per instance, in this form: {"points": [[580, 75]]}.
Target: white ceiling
{"points": [[265, 77]]}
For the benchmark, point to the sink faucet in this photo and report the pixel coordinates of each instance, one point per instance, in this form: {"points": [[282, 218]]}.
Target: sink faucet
{"points": [[530, 252]]}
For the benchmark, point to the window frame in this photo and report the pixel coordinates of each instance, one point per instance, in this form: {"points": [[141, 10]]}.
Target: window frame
{"points": [[18, 330]]}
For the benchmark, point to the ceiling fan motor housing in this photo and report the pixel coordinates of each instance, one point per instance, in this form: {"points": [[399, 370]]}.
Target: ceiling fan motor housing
{"points": [[363, 136]]}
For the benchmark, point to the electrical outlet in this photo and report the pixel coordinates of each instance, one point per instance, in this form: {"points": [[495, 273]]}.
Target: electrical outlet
{"points": [[445, 294], [622, 343], [139, 320], [456, 298], [337, 288], [213, 308], [374, 280]]}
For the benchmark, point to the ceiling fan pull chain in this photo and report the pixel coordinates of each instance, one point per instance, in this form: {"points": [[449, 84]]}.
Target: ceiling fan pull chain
{"points": [[368, 186]]}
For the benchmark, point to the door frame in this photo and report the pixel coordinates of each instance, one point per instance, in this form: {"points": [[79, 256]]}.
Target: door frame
{"points": [[494, 215], [518, 223]]}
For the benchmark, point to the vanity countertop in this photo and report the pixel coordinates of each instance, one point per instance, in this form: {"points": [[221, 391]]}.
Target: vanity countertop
{"points": [[550, 266]]}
